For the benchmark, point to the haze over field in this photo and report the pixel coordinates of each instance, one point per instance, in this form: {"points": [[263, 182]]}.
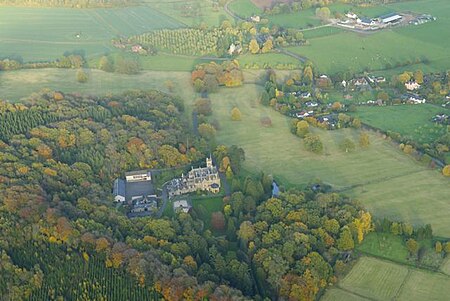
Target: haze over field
{"points": [[224, 150]]}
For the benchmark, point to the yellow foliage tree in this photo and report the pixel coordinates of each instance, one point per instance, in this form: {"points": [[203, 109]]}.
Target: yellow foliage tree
{"points": [[363, 225], [235, 114], [253, 47], [446, 171]]}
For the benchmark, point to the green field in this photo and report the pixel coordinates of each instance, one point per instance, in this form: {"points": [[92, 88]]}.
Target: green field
{"points": [[380, 177], [376, 279], [377, 51], [385, 245], [411, 121], [274, 60], [337, 294], [303, 19], [41, 34], [15, 85], [422, 285], [244, 8], [207, 14]]}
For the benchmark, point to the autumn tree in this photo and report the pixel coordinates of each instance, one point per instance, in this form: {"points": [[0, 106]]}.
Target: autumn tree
{"points": [[267, 46], [345, 241], [218, 221], [438, 247], [235, 114], [412, 246], [302, 128], [253, 47], [363, 225], [364, 139], [323, 13], [313, 143], [446, 170], [347, 145], [106, 64], [308, 74], [203, 106], [418, 76], [207, 131]]}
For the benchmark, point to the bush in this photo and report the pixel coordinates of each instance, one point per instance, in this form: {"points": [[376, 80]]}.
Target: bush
{"points": [[82, 76]]}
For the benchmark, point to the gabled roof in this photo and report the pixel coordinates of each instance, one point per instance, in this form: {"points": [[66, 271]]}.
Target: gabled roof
{"points": [[119, 187]]}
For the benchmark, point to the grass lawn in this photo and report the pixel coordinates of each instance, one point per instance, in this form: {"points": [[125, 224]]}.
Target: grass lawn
{"points": [[423, 285], [207, 14], [205, 207], [244, 8], [380, 176], [411, 121], [337, 294], [375, 278], [385, 245], [49, 32]]}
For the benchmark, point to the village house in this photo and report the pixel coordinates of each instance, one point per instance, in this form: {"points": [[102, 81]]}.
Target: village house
{"points": [[351, 15], [198, 179], [413, 98], [412, 85]]}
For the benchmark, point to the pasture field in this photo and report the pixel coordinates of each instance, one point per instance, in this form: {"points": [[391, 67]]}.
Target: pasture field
{"points": [[380, 176], [247, 61], [207, 14], [303, 19], [411, 121], [378, 51], [337, 294], [383, 50], [244, 8], [424, 285], [15, 85], [385, 245], [375, 278], [41, 34]]}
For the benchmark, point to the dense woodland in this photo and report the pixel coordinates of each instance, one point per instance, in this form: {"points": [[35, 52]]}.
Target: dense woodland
{"points": [[57, 218]]}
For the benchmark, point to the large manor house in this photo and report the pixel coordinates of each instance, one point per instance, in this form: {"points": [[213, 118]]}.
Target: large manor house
{"points": [[202, 178]]}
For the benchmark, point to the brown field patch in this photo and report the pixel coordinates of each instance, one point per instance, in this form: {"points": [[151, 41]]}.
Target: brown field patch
{"points": [[268, 3]]}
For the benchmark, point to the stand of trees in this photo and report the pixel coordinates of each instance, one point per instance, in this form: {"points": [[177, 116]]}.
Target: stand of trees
{"points": [[62, 238]]}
